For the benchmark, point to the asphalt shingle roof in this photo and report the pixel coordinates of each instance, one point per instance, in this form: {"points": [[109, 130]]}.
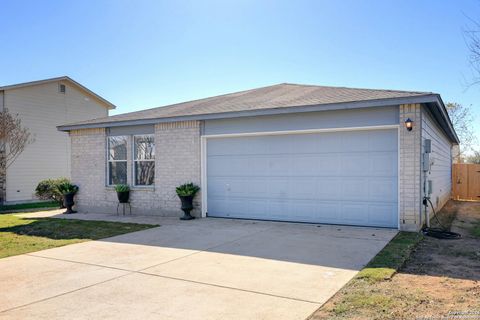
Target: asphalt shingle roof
{"points": [[283, 95]]}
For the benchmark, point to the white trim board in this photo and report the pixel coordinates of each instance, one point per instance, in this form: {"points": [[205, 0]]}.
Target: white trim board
{"points": [[305, 131]]}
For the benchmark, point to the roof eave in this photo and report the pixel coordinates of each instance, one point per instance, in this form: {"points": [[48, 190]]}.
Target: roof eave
{"points": [[236, 114], [444, 114]]}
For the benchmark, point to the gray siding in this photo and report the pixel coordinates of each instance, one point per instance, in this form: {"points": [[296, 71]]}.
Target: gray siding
{"points": [[131, 130], [305, 121], [441, 170]]}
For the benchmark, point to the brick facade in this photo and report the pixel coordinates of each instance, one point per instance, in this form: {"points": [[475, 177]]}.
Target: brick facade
{"points": [[410, 150], [178, 160], [177, 152]]}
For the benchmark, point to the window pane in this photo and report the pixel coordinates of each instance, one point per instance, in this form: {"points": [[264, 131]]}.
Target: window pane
{"points": [[144, 147], [144, 173], [117, 172], [117, 148]]}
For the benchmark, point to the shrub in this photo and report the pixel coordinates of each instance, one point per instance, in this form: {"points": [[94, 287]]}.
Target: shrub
{"points": [[122, 188], [187, 189], [48, 190], [67, 187]]}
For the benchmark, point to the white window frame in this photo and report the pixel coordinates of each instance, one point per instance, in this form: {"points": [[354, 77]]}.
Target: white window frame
{"points": [[109, 160], [134, 160]]}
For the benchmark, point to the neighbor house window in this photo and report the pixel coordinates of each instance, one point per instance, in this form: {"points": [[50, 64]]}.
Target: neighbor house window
{"points": [[117, 160], [144, 160]]}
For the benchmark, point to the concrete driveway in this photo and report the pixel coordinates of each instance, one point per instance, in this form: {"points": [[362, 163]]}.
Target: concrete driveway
{"points": [[202, 269]]}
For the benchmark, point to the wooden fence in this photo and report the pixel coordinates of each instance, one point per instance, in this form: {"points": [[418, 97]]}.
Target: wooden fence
{"points": [[466, 181]]}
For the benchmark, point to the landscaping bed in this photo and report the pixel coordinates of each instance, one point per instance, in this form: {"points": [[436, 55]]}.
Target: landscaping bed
{"points": [[437, 278], [22, 235]]}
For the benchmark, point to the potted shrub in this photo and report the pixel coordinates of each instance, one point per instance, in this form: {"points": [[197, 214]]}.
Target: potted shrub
{"points": [[68, 191], [123, 192], [186, 192]]}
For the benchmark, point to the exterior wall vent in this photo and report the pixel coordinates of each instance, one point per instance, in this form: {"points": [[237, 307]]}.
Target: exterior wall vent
{"points": [[62, 88]]}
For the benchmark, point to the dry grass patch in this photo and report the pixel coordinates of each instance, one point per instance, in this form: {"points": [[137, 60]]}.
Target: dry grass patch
{"points": [[437, 279]]}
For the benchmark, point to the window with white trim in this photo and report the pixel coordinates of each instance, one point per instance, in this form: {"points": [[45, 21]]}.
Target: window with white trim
{"points": [[144, 160], [117, 160]]}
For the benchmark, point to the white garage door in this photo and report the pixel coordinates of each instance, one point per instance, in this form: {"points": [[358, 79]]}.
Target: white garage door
{"points": [[347, 177]]}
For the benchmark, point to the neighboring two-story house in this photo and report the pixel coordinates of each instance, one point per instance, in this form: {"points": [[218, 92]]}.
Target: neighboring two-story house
{"points": [[42, 106]]}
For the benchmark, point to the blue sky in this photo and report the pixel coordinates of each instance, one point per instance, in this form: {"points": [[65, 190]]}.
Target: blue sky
{"points": [[142, 54]]}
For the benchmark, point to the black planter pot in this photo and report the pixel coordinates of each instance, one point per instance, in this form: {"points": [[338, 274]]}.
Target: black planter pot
{"points": [[123, 197], [68, 202], [187, 206]]}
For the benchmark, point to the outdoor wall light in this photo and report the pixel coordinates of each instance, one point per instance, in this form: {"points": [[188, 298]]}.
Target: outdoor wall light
{"points": [[409, 124]]}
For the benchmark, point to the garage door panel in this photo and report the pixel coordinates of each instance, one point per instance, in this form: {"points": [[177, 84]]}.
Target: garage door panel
{"points": [[278, 210], [355, 141], [383, 142], [355, 165], [258, 165], [277, 144], [328, 211], [355, 212], [219, 205], [279, 165], [338, 177], [258, 187], [225, 147], [329, 143], [217, 187], [304, 144], [255, 207], [382, 214], [383, 164], [279, 187], [380, 189], [354, 188], [329, 188], [303, 209], [303, 188]]}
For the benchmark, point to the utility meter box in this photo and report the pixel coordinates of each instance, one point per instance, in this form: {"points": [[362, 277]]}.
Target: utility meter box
{"points": [[428, 145], [426, 162]]}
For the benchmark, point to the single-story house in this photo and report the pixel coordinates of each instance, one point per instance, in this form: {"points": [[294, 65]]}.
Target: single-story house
{"points": [[286, 152], [41, 106]]}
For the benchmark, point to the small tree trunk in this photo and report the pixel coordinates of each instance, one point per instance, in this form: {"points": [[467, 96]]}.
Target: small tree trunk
{"points": [[3, 176]]}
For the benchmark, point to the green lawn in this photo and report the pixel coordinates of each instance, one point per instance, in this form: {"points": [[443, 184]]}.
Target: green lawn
{"points": [[32, 205], [22, 235], [357, 293], [475, 230], [391, 258]]}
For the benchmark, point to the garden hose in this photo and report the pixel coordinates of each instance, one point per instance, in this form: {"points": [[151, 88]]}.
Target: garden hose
{"points": [[439, 233]]}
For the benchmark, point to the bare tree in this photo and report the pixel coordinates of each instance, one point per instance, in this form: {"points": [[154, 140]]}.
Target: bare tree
{"points": [[13, 138], [472, 39], [462, 120], [474, 158]]}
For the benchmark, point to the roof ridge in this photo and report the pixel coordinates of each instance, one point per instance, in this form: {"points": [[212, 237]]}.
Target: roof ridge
{"points": [[168, 106], [354, 88]]}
